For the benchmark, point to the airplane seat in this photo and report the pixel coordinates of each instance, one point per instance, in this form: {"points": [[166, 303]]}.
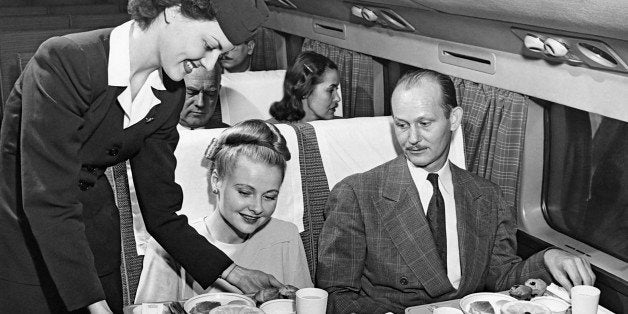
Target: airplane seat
{"points": [[249, 95], [323, 153]]}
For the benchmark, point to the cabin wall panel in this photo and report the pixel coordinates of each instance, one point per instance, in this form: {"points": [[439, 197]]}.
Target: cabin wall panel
{"points": [[602, 92]]}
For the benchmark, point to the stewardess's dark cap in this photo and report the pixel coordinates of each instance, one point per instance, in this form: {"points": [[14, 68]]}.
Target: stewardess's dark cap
{"points": [[239, 19]]}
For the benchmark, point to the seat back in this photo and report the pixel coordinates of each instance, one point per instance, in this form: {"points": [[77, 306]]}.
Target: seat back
{"points": [[315, 189], [248, 95]]}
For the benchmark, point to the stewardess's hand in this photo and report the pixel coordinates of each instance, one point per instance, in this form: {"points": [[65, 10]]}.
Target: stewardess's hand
{"points": [[100, 307], [250, 280]]}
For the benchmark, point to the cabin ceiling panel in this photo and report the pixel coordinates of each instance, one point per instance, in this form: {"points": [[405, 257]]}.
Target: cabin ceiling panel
{"points": [[605, 18], [598, 17], [486, 33], [602, 92]]}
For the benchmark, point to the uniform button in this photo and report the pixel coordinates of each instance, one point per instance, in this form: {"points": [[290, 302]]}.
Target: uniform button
{"points": [[84, 185], [113, 151], [403, 281]]}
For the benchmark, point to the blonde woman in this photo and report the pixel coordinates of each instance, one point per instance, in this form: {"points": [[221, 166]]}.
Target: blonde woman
{"points": [[248, 166]]}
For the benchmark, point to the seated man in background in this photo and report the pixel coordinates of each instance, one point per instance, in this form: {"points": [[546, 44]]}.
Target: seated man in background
{"points": [[418, 229], [238, 59], [248, 163], [201, 99]]}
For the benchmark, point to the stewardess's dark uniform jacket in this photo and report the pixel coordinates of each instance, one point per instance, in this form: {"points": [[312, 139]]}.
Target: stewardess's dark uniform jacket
{"points": [[62, 128]]}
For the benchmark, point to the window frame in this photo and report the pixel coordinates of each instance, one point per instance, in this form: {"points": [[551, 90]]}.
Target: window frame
{"points": [[532, 217]]}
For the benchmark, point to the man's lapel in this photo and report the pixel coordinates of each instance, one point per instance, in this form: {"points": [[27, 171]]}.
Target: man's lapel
{"points": [[472, 215], [400, 210]]}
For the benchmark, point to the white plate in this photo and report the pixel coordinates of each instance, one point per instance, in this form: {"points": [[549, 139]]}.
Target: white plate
{"points": [[465, 302], [236, 309], [223, 298]]}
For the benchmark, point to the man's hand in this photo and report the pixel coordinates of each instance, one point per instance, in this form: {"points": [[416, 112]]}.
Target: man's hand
{"points": [[569, 270], [250, 280], [100, 307]]}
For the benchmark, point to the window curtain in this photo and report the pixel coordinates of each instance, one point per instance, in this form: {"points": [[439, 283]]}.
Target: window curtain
{"points": [[494, 123], [264, 56], [356, 77]]}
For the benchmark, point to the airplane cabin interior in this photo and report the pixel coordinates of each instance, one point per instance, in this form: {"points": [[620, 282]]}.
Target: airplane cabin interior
{"points": [[543, 85]]}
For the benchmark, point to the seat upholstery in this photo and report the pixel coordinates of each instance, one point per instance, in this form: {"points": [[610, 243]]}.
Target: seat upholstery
{"points": [[131, 266], [315, 191]]}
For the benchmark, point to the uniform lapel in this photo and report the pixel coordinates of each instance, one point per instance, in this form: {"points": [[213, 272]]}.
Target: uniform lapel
{"points": [[103, 96], [402, 214], [171, 98]]}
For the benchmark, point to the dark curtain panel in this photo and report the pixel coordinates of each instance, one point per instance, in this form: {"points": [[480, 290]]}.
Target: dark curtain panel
{"points": [[494, 127], [264, 56]]}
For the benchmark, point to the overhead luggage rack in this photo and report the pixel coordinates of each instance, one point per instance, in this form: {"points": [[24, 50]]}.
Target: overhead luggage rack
{"points": [[282, 3], [382, 16], [570, 49]]}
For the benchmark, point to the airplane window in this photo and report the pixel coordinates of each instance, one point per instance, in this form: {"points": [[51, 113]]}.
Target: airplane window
{"points": [[586, 190]]}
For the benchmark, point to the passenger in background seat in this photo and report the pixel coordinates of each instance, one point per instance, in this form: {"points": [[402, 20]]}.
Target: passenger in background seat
{"points": [[418, 229], [310, 91], [202, 88], [248, 166], [238, 59]]}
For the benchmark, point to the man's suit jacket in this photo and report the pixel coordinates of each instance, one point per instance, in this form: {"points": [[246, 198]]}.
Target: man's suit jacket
{"points": [[62, 128], [377, 254]]}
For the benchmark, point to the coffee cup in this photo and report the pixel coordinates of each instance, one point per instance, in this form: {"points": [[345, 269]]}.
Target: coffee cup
{"points": [[584, 299], [311, 301]]}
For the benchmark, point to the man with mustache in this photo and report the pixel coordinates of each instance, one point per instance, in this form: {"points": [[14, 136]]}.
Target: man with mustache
{"points": [[238, 59], [418, 229]]}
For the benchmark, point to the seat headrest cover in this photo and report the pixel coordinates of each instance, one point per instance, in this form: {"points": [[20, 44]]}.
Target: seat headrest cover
{"points": [[248, 95]]}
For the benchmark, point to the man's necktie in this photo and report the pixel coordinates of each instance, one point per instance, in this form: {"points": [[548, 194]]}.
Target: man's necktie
{"points": [[436, 219]]}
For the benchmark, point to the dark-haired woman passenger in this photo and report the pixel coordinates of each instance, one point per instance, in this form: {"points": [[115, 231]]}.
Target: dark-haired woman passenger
{"points": [[88, 101], [248, 166], [310, 90]]}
